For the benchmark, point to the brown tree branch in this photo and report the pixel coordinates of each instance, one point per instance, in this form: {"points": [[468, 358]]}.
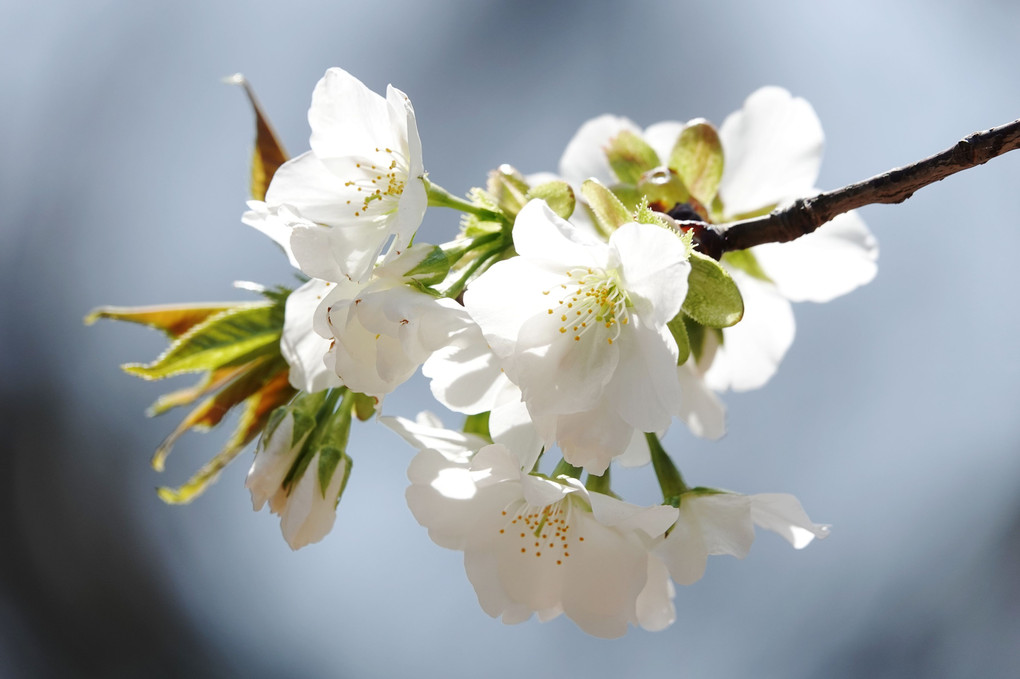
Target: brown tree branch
{"points": [[807, 214]]}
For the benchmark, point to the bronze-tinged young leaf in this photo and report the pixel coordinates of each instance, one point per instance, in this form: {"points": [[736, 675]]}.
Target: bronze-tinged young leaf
{"points": [[209, 383], [712, 297], [172, 319], [275, 391], [212, 410], [269, 154], [235, 336], [698, 158]]}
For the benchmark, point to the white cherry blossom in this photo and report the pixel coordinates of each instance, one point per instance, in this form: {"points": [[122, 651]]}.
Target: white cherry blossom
{"points": [[579, 325], [723, 523], [335, 207], [533, 545]]}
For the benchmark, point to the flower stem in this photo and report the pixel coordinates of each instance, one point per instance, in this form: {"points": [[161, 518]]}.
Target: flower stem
{"points": [[670, 480], [440, 197], [564, 468], [599, 484]]}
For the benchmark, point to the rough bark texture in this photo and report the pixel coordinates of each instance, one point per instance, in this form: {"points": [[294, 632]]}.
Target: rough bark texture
{"points": [[807, 214]]}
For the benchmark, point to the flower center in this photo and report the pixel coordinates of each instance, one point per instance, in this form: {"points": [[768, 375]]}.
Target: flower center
{"points": [[382, 182], [541, 533], [593, 301]]}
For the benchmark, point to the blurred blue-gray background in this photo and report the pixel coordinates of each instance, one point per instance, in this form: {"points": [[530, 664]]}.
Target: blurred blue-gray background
{"points": [[894, 417]]}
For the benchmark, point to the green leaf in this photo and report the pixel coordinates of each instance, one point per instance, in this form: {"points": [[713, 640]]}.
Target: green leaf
{"points": [[630, 156], [235, 336], [744, 260], [712, 297], [698, 158], [610, 213], [269, 154], [679, 332], [558, 195], [172, 319], [479, 425], [209, 383], [274, 391], [212, 410]]}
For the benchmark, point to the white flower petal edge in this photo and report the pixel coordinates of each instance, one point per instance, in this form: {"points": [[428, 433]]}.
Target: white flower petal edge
{"points": [[381, 330], [310, 511], [835, 259], [752, 349], [579, 326], [536, 546], [773, 149], [360, 186], [301, 346], [723, 523], [585, 158]]}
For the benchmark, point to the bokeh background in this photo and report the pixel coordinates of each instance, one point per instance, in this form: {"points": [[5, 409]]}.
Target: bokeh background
{"points": [[894, 417]]}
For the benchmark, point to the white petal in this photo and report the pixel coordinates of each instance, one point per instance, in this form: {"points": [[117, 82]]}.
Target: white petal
{"points": [[589, 439], [655, 610], [300, 345], [425, 434], [465, 375], [507, 295], [510, 424], [645, 388], [652, 521], [637, 453], [773, 149], [310, 513], [346, 117], [754, 347], [783, 514], [700, 408], [654, 266], [277, 227], [273, 459], [724, 520], [542, 235], [837, 258], [585, 156]]}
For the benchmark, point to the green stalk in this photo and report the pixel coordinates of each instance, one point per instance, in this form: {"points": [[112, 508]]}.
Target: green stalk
{"points": [[440, 197], [670, 480]]}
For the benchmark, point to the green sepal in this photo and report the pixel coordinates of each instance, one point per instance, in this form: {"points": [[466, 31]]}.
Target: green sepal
{"points": [[663, 188], [610, 213], [695, 336], [679, 331], [697, 157], [744, 260], [630, 156], [232, 337], [713, 299], [508, 188], [558, 195], [432, 269], [364, 406], [627, 194], [479, 425], [330, 459]]}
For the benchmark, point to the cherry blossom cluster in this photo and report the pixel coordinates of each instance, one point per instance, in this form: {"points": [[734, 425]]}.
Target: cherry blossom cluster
{"points": [[571, 319]]}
